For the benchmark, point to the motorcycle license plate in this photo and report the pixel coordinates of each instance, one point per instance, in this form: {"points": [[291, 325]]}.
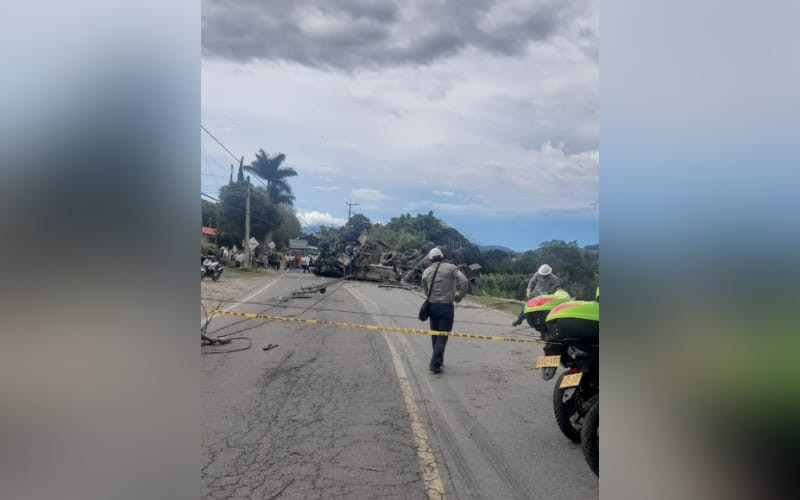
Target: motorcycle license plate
{"points": [[571, 380], [548, 361]]}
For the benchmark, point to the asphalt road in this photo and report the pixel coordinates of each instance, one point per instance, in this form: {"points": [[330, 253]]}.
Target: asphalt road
{"points": [[334, 412]]}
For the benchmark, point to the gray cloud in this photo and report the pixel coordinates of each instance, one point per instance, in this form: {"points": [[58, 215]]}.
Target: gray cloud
{"points": [[353, 34], [493, 101]]}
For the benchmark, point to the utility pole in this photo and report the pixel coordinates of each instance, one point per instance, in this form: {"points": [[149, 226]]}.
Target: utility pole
{"points": [[231, 180], [349, 208], [247, 227]]}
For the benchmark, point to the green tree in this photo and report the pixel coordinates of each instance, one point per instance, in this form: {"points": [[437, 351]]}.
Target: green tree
{"points": [[406, 232], [264, 216], [357, 225], [210, 213], [271, 170], [289, 227]]}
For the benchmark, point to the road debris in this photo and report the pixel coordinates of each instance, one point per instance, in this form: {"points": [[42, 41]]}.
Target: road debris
{"points": [[373, 260]]}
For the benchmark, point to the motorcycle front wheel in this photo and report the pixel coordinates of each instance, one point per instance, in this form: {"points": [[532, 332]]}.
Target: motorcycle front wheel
{"points": [[590, 437], [567, 412], [215, 276]]}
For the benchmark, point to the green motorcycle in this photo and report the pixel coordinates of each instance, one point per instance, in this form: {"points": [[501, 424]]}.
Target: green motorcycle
{"points": [[536, 311], [573, 329]]}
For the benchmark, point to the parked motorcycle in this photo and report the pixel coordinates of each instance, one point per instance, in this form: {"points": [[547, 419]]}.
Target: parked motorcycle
{"points": [[573, 341], [537, 308], [211, 268], [590, 436], [536, 311]]}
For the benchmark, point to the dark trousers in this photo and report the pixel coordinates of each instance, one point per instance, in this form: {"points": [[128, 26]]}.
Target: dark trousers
{"points": [[441, 317], [521, 314]]}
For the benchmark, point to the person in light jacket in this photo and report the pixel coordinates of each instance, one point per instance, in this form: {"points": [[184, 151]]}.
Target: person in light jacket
{"points": [[541, 283], [449, 286]]}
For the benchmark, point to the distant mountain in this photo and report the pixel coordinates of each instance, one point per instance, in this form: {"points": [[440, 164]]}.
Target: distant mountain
{"points": [[486, 248]]}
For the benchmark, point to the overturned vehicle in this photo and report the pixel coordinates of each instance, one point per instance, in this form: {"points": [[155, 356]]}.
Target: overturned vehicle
{"points": [[373, 260]]}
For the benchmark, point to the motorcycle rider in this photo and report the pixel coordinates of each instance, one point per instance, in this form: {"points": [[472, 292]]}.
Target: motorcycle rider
{"points": [[542, 282]]}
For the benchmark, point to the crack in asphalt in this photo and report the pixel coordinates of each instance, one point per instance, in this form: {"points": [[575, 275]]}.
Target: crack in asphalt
{"points": [[306, 428], [323, 416]]}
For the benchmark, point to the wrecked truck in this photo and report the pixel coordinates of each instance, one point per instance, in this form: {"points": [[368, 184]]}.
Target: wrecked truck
{"points": [[373, 260]]}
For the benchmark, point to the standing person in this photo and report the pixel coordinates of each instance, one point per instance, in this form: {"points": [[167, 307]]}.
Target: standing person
{"points": [[449, 285], [542, 282], [298, 259], [304, 262]]}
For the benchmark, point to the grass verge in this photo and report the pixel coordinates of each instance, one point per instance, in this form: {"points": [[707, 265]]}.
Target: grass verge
{"points": [[504, 305], [240, 271]]}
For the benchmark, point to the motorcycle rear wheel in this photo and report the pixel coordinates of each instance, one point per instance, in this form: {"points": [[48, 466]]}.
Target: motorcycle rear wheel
{"points": [[590, 437], [566, 412]]}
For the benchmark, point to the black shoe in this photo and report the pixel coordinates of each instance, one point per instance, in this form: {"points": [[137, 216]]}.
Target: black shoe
{"points": [[436, 370], [517, 322]]}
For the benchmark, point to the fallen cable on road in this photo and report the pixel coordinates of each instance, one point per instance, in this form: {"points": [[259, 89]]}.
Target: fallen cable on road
{"points": [[387, 329], [229, 350], [283, 301]]}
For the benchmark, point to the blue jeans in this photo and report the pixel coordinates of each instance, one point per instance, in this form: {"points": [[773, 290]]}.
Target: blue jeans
{"points": [[521, 314], [441, 318]]}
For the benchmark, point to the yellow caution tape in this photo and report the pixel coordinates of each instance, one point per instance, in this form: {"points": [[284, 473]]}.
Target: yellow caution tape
{"points": [[389, 329]]}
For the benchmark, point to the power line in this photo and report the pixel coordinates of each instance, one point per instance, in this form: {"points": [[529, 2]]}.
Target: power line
{"points": [[271, 306], [256, 217], [350, 205], [219, 142], [303, 221], [239, 160], [213, 158]]}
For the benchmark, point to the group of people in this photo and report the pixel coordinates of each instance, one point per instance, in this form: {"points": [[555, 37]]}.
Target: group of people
{"points": [[273, 261], [296, 261], [445, 285], [226, 256]]}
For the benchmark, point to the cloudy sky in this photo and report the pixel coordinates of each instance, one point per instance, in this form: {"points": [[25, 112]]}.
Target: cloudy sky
{"points": [[484, 111]]}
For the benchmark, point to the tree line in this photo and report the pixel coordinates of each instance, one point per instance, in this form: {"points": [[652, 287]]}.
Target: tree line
{"points": [[506, 274], [272, 213], [503, 273]]}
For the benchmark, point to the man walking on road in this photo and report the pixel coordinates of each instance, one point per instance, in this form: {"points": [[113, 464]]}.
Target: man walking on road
{"points": [[447, 286]]}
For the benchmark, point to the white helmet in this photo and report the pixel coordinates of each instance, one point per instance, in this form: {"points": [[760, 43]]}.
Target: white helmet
{"points": [[435, 252], [544, 270]]}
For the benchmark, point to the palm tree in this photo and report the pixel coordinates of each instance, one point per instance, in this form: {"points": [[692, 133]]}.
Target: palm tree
{"points": [[270, 170]]}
